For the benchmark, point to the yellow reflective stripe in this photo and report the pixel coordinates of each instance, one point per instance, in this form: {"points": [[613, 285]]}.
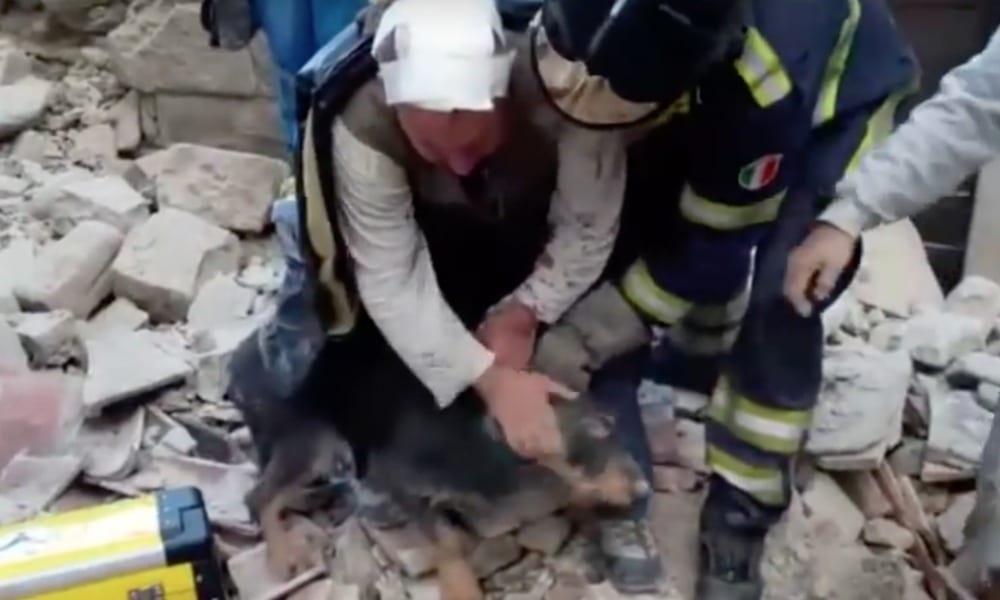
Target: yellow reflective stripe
{"points": [[642, 291], [726, 217], [639, 287], [770, 429], [763, 483], [761, 69], [879, 126], [826, 106]]}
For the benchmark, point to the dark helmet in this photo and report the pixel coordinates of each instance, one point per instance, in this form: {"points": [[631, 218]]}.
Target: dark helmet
{"points": [[648, 52]]}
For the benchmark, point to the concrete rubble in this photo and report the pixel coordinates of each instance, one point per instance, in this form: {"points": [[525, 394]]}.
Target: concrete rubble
{"points": [[136, 175]]}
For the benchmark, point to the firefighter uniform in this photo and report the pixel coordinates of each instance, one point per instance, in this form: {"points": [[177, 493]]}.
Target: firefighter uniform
{"points": [[719, 192]]}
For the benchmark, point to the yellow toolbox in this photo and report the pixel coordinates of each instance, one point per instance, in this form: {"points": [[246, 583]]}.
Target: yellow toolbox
{"points": [[157, 547]]}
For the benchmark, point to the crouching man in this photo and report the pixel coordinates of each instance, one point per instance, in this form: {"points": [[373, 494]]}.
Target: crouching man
{"points": [[428, 135]]}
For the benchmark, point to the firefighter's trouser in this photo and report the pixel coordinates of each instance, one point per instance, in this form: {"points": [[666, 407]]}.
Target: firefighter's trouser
{"points": [[744, 345]]}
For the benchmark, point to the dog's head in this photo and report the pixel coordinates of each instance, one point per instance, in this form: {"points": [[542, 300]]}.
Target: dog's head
{"points": [[596, 467]]}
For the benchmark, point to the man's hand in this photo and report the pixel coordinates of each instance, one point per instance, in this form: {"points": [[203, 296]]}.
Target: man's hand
{"points": [[520, 402], [510, 332], [815, 266]]}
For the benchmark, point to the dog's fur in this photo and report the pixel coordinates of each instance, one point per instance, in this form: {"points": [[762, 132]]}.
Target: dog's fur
{"points": [[430, 460]]}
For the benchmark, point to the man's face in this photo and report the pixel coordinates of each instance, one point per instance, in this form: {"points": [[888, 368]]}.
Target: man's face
{"points": [[457, 140]]}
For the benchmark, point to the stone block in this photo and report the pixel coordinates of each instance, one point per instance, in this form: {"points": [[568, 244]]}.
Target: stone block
{"points": [[221, 301], [951, 523], [46, 336], [74, 273], [12, 186], [860, 410], [110, 444], [935, 339], [12, 354], [895, 275], [162, 47], [23, 105], [229, 189], [242, 124], [976, 297], [30, 483], [122, 365], [128, 129], [120, 315], [109, 199], [164, 262], [94, 146], [958, 431], [14, 64]]}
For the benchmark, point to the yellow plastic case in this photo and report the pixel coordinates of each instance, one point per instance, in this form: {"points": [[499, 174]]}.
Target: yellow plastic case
{"points": [[156, 547]]}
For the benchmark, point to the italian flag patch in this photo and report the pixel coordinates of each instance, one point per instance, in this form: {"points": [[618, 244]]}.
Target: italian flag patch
{"points": [[760, 172]]}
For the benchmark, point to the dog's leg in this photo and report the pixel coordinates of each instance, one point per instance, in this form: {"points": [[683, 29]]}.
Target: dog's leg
{"points": [[284, 485], [456, 577]]}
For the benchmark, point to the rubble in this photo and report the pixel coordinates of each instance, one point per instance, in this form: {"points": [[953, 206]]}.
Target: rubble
{"points": [[120, 315], [859, 415], [164, 262], [74, 273], [109, 199], [111, 444], [959, 427], [28, 484], [124, 364], [24, 102], [49, 337], [935, 339], [229, 189]]}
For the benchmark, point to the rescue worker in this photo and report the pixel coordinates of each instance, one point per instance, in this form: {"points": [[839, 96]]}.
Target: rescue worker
{"points": [[755, 109], [946, 139], [449, 150]]}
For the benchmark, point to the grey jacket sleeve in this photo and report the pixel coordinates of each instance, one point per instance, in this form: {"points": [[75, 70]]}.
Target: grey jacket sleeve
{"points": [[946, 139]]}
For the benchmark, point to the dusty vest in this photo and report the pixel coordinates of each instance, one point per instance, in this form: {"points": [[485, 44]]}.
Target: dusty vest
{"points": [[507, 199]]}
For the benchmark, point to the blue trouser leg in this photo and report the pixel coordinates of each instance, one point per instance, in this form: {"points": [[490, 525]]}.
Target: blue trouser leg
{"points": [[295, 30], [772, 380], [266, 369]]}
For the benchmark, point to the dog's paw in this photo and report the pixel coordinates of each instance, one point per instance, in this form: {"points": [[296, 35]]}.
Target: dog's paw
{"points": [[458, 581], [293, 550]]}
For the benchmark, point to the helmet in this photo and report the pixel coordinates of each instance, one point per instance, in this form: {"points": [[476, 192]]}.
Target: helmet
{"points": [[613, 62]]}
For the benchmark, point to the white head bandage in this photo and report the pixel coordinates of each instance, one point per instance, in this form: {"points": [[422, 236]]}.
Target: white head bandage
{"points": [[442, 54]]}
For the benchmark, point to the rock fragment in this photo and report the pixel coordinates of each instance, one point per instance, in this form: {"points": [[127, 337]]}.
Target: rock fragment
{"points": [[959, 428], [229, 189], [164, 262], [935, 339], [74, 273], [120, 315], [12, 354], [24, 102], [976, 297], [221, 301], [951, 523], [48, 337], [30, 483], [860, 410], [109, 199], [884, 533], [110, 444], [124, 364]]}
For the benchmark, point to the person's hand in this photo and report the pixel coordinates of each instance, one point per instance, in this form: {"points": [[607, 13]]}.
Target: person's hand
{"points": [[520, 401], [815, 266], [510, 332]]}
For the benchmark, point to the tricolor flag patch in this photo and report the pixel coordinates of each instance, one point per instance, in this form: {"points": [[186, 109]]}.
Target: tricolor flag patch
{"points": [[760, 172]]}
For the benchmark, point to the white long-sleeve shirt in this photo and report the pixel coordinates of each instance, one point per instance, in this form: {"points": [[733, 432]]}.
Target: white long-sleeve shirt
{"points": [[946, 139], [393, 266]]}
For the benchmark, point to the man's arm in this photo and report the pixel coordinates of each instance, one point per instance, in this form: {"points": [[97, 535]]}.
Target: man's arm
{"points": [[945, 140], [584, 217], [394, 272]]}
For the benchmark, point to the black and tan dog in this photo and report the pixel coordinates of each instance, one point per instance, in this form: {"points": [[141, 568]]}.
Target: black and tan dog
{"points": [[432, 462]]}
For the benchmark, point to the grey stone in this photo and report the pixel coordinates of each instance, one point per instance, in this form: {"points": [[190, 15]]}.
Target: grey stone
{"points": [[988, 395], [164, 262], [30, 483], [123, 364], [884, 533], [16, 265], [935, 339], [14, 64], [229, 189], [247, 125], [959, 427], [888, 336], [46, 336], [12, 186], [110, 444], [12, 354], [31, 145], [860, 409], [24, 103], [220, 301], [895, 274], [120, 315], [975, 297], [161, 47], [907, 460], [973, 368], [493, 554], [94, 146], [951, 523], [109, 199], [74, 273], [128, 130]]}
